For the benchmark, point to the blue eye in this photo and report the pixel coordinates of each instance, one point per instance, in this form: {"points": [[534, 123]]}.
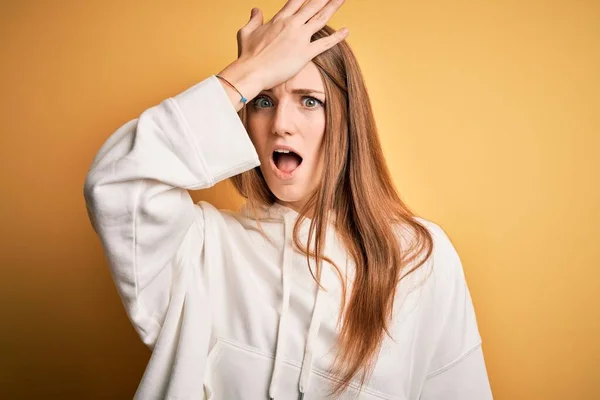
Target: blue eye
{"points": [[318, 102], [258, 102]]}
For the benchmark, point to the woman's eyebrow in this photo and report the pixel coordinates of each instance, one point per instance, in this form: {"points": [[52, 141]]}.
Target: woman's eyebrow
{"points": [[299, 91]]}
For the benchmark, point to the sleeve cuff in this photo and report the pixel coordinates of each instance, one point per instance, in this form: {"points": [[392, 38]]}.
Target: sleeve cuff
{"points": [[219, 135]]}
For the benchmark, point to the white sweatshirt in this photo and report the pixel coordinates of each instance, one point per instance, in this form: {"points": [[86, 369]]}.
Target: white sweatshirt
{"points": [[232, 314]]}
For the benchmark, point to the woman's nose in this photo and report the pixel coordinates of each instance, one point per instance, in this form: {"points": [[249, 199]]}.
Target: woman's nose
{"points": [[282, 120]]}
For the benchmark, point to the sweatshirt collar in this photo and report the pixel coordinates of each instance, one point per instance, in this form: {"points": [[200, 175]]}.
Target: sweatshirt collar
{"points": [[277, 211]]}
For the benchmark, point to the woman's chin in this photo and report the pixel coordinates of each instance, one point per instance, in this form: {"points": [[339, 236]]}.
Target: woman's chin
{"points": [[292, 191], [287, 193]]}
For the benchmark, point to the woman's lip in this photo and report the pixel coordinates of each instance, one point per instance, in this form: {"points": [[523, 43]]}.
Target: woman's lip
{"points": [[279, 173], [285, 147]]}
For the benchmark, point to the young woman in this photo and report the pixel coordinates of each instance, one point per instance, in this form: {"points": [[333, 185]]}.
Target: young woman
{"points": [[324, 283]]}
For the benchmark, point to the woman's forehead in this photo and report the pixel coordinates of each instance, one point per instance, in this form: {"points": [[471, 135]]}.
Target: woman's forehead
{"points": [[308, 78]]}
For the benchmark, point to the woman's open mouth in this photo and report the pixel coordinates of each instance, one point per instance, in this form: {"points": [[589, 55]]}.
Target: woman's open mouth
{"points": [[285, 162]]}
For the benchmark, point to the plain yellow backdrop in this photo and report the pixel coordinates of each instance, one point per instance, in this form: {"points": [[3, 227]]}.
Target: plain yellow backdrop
{"points": [[488, 112]]}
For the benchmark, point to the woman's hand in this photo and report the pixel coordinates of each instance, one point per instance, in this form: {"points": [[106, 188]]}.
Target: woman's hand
{"points": [[272, 53], [280, 48]]}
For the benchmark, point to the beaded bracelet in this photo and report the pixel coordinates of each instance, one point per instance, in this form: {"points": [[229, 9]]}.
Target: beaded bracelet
{"points": [[244, 100]]}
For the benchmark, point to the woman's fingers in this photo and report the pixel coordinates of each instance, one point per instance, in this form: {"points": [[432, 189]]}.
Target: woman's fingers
{"points": [[320, 19], [256, 20], [290, 8], [310, 9], [321, 45]]}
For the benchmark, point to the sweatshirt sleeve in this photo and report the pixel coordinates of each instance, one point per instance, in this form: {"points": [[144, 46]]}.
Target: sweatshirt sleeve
{"points": [[136, 191], [457, 369]]}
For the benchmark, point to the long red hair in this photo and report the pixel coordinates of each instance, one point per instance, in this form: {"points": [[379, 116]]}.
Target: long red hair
{"points": [[358, 186]]}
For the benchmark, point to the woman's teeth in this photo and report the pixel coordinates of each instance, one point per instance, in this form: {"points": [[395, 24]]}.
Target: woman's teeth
{"points": [[286, 161]]}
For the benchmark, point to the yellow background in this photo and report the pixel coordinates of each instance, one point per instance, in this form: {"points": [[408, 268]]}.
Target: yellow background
{"points": [[488, 113]]}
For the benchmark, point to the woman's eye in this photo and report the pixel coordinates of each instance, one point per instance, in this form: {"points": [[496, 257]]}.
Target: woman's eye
{"points": [[260, 99], [264, 101], [312, 100]]}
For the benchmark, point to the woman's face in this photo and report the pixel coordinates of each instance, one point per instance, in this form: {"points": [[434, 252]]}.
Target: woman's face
{"points": [[287, 127]]}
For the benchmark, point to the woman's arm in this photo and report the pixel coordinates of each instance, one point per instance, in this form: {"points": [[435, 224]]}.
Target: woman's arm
{"points": [[136, 195]]}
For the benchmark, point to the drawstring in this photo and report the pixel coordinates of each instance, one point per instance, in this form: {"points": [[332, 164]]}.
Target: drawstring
{"points": [[313, 329], [313, 332], [284, 308]]}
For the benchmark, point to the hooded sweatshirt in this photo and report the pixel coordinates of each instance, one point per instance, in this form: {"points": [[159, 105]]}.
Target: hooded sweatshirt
{"points": [[229, 307]]}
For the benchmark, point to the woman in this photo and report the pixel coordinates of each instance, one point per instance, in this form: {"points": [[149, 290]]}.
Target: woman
{"points": [[324, 283]]}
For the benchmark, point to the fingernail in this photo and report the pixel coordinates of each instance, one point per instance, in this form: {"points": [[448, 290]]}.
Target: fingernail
{"points": [[253, 12]]}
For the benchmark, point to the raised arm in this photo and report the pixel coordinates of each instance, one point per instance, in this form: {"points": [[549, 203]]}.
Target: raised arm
{"points": [[136, 195]]}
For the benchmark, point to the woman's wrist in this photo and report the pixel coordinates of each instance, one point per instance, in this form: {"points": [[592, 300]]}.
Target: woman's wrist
{"points": [[245, 78]]}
